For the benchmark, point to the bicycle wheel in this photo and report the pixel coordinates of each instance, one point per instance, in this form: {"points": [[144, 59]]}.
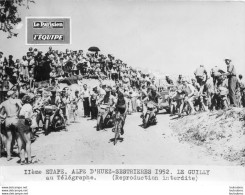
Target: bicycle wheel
{"points": [[46, 127], [74, 115], [146, 121]]}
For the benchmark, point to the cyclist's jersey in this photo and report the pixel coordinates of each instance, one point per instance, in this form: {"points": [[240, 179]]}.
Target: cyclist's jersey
{"points": [[121, 105], [52, 100], [121, 101]]}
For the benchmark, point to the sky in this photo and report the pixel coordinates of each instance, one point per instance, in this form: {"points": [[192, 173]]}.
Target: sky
{"points": [[170, 37]]}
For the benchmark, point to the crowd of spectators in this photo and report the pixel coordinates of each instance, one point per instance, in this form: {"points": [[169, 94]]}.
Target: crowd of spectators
{"points": [[55, 66]]}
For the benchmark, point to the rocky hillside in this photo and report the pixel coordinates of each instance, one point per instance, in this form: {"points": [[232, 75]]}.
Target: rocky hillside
{"points": [[221, 132]]}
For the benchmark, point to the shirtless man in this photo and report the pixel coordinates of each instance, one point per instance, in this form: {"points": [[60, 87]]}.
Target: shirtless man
{"points": [[11, 108]]}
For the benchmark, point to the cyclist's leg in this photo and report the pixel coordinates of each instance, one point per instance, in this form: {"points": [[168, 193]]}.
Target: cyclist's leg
{"points": [[123, 113]]}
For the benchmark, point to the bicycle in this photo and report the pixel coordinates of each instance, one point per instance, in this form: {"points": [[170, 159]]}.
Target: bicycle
{"points": [[118, 126]]}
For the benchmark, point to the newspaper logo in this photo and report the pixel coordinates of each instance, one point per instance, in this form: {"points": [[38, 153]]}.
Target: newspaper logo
{"points": [[40, 24], [48, 31], [44, 37]]}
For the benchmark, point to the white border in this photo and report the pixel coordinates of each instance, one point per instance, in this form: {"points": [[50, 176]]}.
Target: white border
{"points": [[48, 18]]}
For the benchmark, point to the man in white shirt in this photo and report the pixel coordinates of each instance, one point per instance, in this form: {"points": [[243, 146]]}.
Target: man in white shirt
{"points": [[86, 100]]}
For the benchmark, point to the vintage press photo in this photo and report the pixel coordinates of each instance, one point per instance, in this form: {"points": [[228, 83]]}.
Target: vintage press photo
{"points": [[124, 83]]}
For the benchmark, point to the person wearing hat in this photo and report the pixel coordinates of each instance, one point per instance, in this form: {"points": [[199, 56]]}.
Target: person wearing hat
{"points": [[179, 80], [24, 128], [10, 108], [232, 82]]}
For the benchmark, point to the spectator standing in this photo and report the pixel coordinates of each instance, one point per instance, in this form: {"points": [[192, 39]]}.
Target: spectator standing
{"points": [[11, 108], [232, 82], [24, 129], [201, 76], [86, 102], [242, 89]]}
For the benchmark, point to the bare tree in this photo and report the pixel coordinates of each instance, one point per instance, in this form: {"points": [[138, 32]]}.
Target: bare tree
{"points": [[9, 15]]}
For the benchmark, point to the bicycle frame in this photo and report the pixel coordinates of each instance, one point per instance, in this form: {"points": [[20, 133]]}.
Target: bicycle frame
{"points": [[118, 126]]}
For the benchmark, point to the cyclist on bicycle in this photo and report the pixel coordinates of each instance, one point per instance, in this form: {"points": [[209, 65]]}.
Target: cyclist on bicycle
{"points": [[121, 106]]}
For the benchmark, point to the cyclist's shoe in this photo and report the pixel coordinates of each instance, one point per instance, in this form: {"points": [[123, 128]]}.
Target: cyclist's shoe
{"points": [[122, 131], [155, 121], [97, 128], [142, 115]]}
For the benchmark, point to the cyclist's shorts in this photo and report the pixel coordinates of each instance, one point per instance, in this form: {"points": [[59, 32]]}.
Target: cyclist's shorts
{"points": [[121, 109]]}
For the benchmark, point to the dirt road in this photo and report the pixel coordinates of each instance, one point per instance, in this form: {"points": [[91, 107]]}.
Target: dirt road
{"points": [[82, 144]]}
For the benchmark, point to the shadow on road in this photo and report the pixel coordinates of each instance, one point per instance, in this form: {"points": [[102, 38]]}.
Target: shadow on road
{"points": [[162, 113], [175, 118], [113, 139]]}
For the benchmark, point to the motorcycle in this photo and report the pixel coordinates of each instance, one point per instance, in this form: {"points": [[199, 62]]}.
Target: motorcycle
{"points": [[104, 118], [150, 116], [53, 119], [175, 99]]}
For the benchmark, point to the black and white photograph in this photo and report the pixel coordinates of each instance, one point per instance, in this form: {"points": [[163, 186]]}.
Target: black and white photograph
{"points": [[122, 83]]}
